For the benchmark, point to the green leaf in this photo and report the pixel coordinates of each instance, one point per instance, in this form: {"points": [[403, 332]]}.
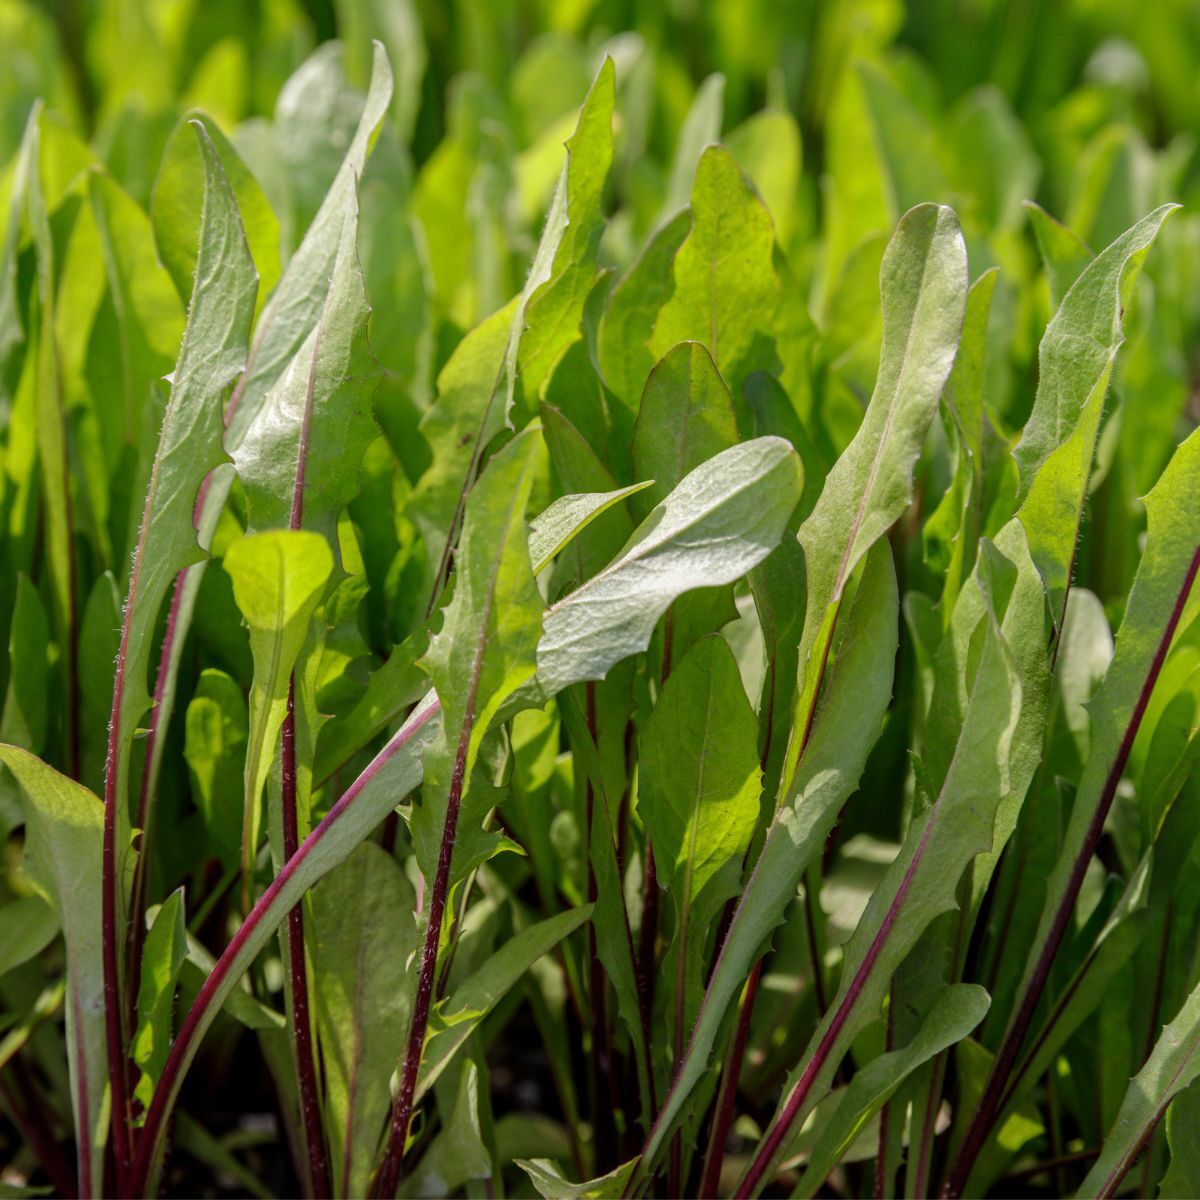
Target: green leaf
{"points": [[852, 709], [294, 309], [629, 315], [700, 809], [567, 517], [923, 880], [23, 720], [727, 291], [554, 1185], [50, 426], [550, 308], [1172, 1066], [952, 532], [64, 825], [215, 733], [700, 128], [211, 357], [458, 1016], [301, 451], [362, 936], [924, 291], [458, 1154], [686, 417], [1064, 253], [1075, 362], [163, 956], [486, 647], [279, 578], [178, 198], [27, 926], [721, 520], [463, 415], [1183, 1135], [956, 1011], [1156, 606]]}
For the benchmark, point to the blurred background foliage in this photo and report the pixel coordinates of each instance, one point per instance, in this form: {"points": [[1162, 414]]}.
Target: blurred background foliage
{"points": [[842, 114]]}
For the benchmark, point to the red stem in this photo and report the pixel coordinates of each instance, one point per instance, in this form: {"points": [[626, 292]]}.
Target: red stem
{"points": [[715, 1155], [114, 1017], [388, 1179], [306, 1075], [782, 1128], [989, 1105], [195, 1022]]}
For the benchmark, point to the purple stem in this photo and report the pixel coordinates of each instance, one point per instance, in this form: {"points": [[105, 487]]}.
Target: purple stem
{"points": [[194, 1023], [306, 1075], [782, 1128], [715, 1155], [989, 1105], [114, 1016], [389, 1172]]}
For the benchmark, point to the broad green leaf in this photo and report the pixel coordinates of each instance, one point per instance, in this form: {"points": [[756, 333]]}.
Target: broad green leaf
{"points": [[1172, 1066], [458, 1154], [953, 529], [567, 517], [215, 733], [459, 1015], [63, 832], [852, 710], [163, 956], [211, 357], [629, 315], [553, 1185], [279, 578], [294, 308], [486, 647], [924, 291], [27, 926], [700, 810], [1075, 360], [12, 332], [721, 520], [300, 455], [463, 415], [1183, 1134], [767, 147], [362, 935], [686, 417], [1064, 253], [955, 1013], [143, 317], [394, 687], [177, 202], [727, 291], [550, 308]]}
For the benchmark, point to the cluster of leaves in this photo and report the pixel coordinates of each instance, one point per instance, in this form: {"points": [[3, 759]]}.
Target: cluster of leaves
{"points": [[609, 672]]}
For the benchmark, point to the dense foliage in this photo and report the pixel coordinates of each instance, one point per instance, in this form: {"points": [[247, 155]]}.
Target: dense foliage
{"points": [[669, 667]]}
